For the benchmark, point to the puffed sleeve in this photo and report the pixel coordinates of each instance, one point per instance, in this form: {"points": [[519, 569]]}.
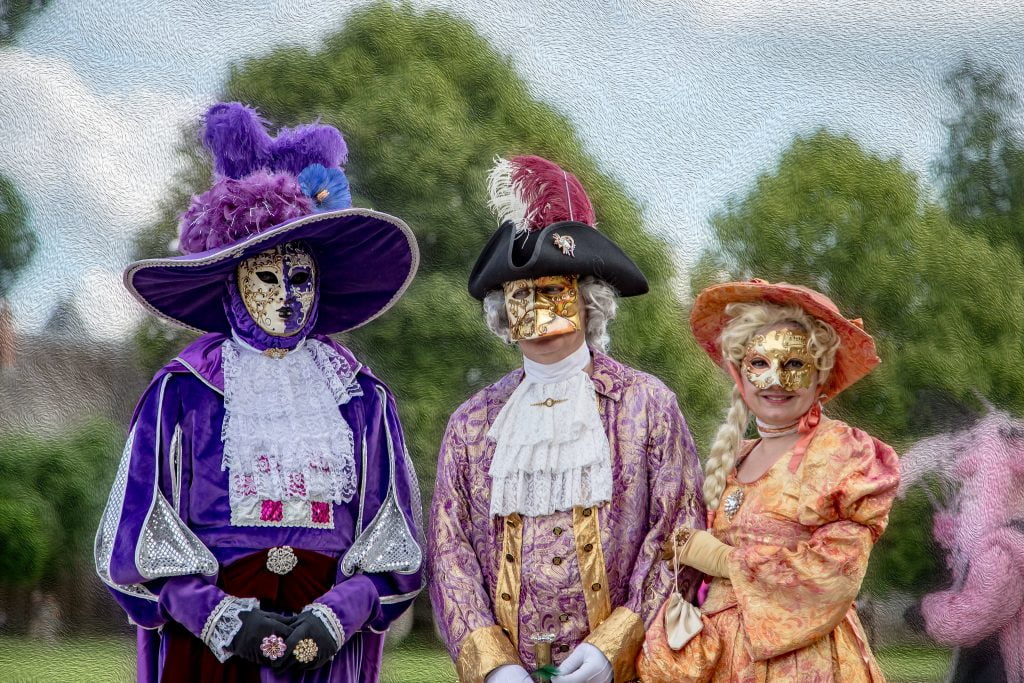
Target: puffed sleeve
{"points": [[791, 596]]}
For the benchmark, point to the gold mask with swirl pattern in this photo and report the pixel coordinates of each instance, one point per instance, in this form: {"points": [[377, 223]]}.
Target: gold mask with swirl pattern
{"points": [[542, 307]]}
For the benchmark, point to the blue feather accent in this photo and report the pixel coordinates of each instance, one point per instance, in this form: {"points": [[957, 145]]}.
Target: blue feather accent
{"points": [[327, 187]]}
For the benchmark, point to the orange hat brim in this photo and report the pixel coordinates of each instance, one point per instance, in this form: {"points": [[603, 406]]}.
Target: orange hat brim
{"points": [[855, 358]]}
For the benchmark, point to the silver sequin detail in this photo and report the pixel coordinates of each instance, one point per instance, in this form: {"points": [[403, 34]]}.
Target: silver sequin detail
{"points": [[733, 503], [103, 549], [387, 544], [169, 548], [281, 560]]}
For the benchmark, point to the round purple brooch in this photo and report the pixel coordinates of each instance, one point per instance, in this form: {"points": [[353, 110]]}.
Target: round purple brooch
{"points": [[273, 647]]}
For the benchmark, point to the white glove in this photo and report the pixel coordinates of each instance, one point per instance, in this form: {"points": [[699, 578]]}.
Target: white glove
{"points": [[509, 673], [586, 664]]}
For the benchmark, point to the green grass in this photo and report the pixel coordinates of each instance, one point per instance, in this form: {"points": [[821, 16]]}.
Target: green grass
{"points": [[914, 664], [415, 661], [113, 661]]}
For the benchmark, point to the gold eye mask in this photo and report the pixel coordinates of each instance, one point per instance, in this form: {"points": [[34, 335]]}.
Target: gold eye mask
{"points": [[779, 358]]}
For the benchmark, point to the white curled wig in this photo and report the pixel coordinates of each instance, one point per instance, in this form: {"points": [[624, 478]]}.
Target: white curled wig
{"points": [[745, 321], [599, 299]]}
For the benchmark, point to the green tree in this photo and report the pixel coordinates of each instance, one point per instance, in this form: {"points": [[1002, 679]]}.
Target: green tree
{"points": [[52, 493], [982, 167], [14, 16], [17, 241], [944, 306], [425, 104]]}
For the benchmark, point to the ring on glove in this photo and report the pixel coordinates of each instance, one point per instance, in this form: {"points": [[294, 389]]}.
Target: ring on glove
{"points": [[273, 647], [305, 650]]}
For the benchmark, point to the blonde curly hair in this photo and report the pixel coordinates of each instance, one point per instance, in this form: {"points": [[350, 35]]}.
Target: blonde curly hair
{"points": [[746, 320]]}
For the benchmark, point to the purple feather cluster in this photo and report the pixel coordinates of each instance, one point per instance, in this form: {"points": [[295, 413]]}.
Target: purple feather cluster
{"points": [[257, 177], [234, 209], [237, 137]]}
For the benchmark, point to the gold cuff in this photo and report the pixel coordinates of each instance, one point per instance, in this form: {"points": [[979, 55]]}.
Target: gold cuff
{"points": [[620, 637], [483, 651]]}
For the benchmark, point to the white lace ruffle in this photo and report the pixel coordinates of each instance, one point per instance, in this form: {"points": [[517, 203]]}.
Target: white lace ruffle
{"points": [[550, 458], [326, 615], [284, 437], [223, 624]]}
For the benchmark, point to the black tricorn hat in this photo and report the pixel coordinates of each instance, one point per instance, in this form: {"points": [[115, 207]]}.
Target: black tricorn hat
{"points": [[563, 248], [547, 229]]}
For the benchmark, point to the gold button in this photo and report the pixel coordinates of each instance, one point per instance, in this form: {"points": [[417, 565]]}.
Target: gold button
{"points": [[506, 631], [563, 617], [506, 596], [510, 557], [510, 522], [596, 587], [557, 531], [588, 547], [557, 561], [563, 648], [586, 513]]}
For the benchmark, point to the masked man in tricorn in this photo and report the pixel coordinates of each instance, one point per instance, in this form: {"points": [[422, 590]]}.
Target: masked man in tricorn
{"points": [[557, 485]]}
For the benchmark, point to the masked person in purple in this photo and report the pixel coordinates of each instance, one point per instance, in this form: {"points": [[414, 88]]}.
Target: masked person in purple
{"points": [[557, 485], [264, 521]]}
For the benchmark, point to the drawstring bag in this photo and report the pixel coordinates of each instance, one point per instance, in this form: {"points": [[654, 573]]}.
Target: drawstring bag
{"points": [[682, 619]]}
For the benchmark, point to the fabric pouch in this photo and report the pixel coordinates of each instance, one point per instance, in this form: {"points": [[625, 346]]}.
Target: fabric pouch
{"points": [[682, 619]]}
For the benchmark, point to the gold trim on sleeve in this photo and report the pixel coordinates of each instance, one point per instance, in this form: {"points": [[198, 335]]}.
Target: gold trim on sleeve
{"points": [[483, 651], [620, 637], [510, 567]]}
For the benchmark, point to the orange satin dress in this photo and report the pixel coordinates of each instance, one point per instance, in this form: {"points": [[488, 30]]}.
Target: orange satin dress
{"points": [[803, 534]]}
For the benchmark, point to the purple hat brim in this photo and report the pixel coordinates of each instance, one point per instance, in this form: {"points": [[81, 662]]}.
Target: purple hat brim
{"points": [[366, 261]]}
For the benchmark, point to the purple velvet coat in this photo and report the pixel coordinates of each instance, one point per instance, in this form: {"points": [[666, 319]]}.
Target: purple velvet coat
{"points": [[166, 531]]}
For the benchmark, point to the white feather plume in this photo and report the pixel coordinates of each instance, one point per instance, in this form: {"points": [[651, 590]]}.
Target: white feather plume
{"points": [[505, 199]]}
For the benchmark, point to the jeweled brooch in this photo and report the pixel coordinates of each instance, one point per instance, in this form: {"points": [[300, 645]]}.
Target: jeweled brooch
{"points": [[306, 650], [273, 647], [281, 560], [566, 243], [733, 503]]}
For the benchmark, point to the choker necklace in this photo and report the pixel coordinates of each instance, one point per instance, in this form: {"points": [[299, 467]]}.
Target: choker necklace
{"points": [[767, 431]]}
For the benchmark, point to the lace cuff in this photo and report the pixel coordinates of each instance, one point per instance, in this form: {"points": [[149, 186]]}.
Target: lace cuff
{"points": [[223, 624], [330, 620]]}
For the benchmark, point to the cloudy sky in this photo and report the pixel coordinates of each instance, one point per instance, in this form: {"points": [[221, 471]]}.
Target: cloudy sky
{"points": [[684, 101]]}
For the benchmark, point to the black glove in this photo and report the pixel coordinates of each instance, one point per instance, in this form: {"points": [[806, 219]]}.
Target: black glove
{"points": [[257, 625], [914, 618], [308, 627]]}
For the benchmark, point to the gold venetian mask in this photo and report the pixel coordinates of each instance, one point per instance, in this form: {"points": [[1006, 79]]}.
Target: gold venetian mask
{"points": [[278, 287], [779, 358], [542, 307]]}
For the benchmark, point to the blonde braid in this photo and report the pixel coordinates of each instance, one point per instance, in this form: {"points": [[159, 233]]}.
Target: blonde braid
{"points": [[724, 450]]}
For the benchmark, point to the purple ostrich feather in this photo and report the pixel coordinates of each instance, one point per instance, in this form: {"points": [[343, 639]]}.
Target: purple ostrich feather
{"points": [[236, 135]]}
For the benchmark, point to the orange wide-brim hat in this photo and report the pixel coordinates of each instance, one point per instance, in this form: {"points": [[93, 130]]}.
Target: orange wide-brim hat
{"points": [[855, 357]]}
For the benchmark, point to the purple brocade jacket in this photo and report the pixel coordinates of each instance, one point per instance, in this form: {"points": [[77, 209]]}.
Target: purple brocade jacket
{"points": [[593, 574], [167, 530]]}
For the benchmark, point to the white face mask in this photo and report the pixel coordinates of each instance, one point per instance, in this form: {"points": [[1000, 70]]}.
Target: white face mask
{"points": [[278, 288]]}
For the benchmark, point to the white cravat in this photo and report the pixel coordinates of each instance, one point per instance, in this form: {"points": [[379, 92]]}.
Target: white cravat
{"points": [[551, 450], [284, 437]]}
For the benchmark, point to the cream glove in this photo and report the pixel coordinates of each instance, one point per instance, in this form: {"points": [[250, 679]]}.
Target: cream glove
{"points": [[706, 553]]}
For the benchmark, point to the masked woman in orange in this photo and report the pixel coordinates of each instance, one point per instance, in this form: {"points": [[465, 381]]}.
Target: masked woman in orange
{"points": [[794, 514]]}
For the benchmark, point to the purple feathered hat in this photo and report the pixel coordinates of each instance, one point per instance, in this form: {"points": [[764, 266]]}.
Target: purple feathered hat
{"points": [[268, 191]]}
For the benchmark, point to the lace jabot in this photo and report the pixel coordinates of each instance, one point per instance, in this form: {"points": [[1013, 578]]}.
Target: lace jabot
{"points": [[551, 450], [284, 437]]}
